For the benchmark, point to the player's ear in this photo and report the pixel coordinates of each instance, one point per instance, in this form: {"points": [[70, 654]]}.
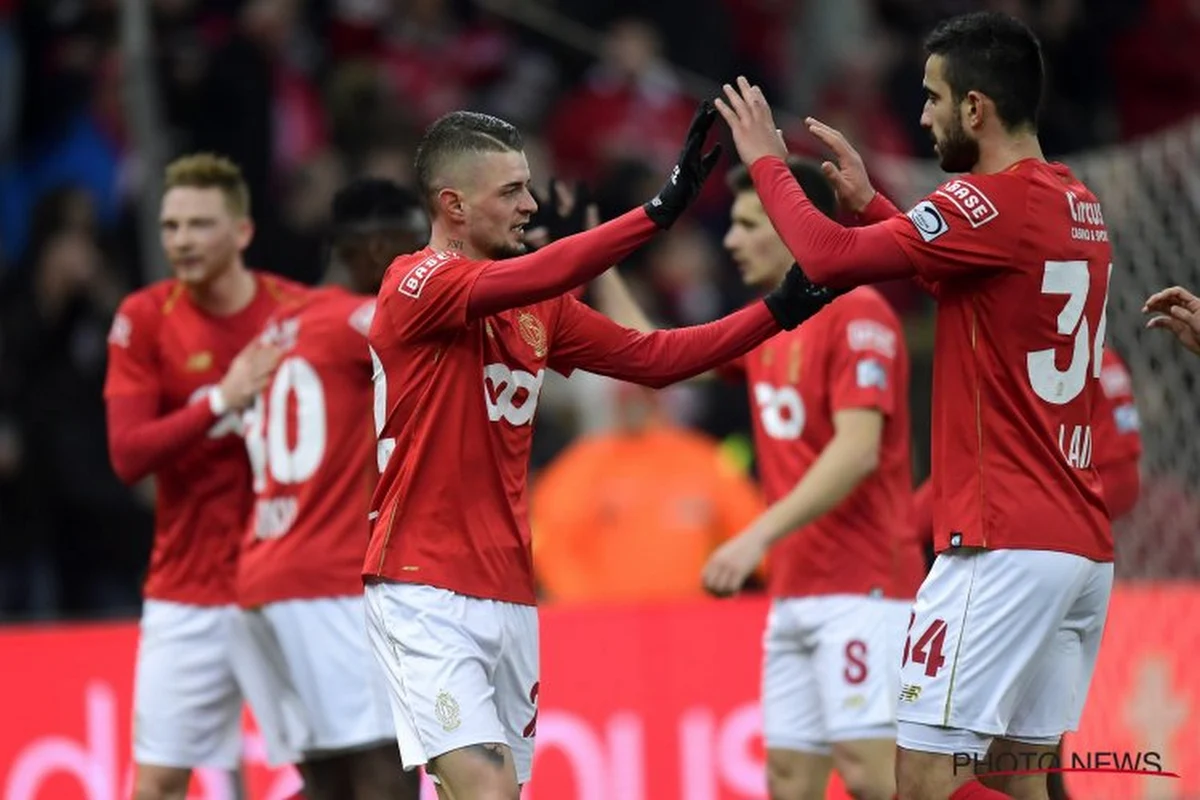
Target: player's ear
{"points": [[244, 230], [973, 108], [450, 204]]}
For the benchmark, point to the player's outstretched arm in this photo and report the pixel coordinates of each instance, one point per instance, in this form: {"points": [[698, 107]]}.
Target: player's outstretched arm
{"points": [[567, 263], [141, 441], [591, 341], [831, 254], [851, 455], [1178, 310]]}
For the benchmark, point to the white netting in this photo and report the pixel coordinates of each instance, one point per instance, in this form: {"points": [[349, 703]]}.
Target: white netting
{"points": [[1150, 193]]}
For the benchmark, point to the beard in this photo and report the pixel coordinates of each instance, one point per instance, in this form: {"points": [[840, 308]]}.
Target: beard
{"points": [[502, 250], [957, 152]]}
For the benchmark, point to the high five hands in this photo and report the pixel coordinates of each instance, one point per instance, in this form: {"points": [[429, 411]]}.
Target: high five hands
{"points": [[752, 124]]}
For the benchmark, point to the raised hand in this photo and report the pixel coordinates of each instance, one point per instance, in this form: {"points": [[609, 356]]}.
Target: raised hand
{"points": [[846, 173], [1177, 310], [562, 212], [693, 168], [749, 118]]}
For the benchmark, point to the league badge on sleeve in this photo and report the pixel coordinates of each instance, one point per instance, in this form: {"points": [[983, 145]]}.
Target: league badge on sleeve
{"points": [[870, 373], [928, 221]]}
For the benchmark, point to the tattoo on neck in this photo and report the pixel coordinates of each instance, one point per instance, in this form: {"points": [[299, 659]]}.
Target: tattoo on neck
{"points": [[455, 244]]}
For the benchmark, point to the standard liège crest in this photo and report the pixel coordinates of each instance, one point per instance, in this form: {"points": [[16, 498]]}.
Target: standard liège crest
{"points": [[533, 332], [445, 708], [199, 362]]}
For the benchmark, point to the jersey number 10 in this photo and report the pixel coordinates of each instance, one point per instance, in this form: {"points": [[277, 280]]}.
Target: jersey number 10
{"points": [[267, 433]]}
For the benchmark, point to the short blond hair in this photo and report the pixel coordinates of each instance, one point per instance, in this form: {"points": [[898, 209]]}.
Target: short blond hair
{"points": [[211, 171]]}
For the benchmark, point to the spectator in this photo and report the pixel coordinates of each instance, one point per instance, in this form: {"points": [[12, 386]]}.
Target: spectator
{"points": [[632, 514]]}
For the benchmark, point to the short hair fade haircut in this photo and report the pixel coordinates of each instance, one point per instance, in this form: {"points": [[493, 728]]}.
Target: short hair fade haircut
{"points": [[997, 55], [210, 171], [453, 135], [806, 172]]}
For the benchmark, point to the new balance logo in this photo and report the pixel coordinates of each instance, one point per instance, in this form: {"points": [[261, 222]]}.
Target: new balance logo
{"points": [[909, 693]]}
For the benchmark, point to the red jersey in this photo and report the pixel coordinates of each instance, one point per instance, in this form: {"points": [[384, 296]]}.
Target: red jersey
{"points": [[1117, 430], [1022, 262], [312, 452], [163, 345], [850, 355], [455, 401]]}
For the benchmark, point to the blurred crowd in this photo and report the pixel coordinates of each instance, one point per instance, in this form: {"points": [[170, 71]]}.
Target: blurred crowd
{"points": [[305, 94]]}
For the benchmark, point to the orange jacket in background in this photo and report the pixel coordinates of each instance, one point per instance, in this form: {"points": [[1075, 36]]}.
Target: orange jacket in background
{"points": [[634, 516]]}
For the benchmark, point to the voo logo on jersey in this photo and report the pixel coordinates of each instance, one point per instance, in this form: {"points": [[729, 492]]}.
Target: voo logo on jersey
{"points": [[511, 394]]}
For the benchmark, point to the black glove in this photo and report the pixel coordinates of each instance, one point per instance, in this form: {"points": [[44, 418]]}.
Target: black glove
{"points": [[549, 216], [797, 299], [690, 172]]}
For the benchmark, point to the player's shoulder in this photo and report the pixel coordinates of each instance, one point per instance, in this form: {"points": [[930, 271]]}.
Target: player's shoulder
{"points": [[410, 273], [868, 320], [153, 302], [284, 291]]}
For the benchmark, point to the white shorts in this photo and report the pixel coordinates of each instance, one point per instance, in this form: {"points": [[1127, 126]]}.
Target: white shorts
{"points": [[1002, 643], [462, 670], [830, 670], [307, 670], [187, 707]]}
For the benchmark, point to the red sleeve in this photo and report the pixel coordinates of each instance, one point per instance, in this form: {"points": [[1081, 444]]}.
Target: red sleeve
{"points": [[559, 266], [829, 253], [1119, 437], [427, 294], [923, 512], [969, 224], [878, 210], [1122, 483], [133, 367], [863, 350], [881, 209], [586, 339], [140, 442]]}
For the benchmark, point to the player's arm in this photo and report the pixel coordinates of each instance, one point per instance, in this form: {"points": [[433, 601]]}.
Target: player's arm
{"points": [[1118, 444], [615, 301], [936, 238], [140, 438], [1122, 482], [586, 339]]}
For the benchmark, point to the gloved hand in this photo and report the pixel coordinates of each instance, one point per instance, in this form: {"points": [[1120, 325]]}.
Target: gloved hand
{"points": [[797, 299], [561, 213], [690, 172]]}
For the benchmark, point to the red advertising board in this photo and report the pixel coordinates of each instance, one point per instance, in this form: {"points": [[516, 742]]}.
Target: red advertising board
{"points": [[638, 703]]}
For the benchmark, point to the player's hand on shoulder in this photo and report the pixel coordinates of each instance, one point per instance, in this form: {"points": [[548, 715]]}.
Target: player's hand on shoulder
{"points": [[691, 170], [1178, 310], [249, 373], [732, 563], [797, 298], [749, 117], [846, 172]]}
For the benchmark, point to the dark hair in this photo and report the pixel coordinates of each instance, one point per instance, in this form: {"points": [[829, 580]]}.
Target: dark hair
{"points": [[370, 205], [996, 55], [457, 133], [806, 172]]}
